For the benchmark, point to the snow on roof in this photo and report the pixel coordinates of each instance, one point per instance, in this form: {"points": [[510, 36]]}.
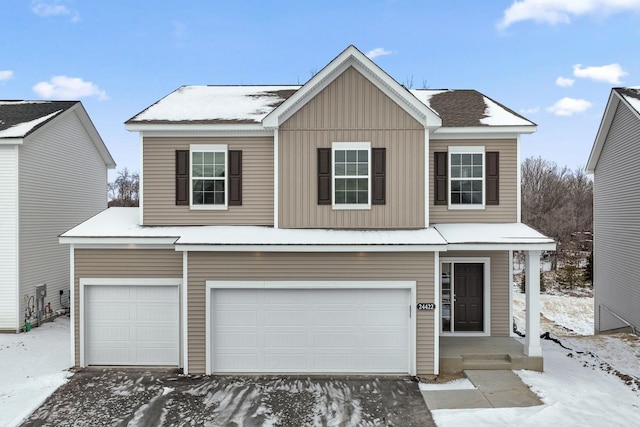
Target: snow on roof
{"points": [[497, 115], [120, 222], [250, 104], [21, 129], [632, 96], [474, 233], [425, 95], [217, 103]]}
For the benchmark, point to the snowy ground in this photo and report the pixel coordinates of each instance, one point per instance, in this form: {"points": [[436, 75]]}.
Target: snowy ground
{"points": [[33, 366], [595, 381]]}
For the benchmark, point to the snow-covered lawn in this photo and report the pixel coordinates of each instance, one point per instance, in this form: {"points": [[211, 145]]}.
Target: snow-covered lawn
{"points": [[595, 382], [33, 366]]}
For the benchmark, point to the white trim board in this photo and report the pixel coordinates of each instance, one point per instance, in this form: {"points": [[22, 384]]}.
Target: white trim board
{"points": [[226, 284]]}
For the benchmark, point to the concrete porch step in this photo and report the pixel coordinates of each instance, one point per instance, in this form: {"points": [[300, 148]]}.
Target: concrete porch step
{"points": [[486, 361]]}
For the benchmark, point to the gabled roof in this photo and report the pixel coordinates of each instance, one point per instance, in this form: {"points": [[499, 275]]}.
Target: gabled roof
{"points": [[271, 105], [627, 96], [20, 118]]}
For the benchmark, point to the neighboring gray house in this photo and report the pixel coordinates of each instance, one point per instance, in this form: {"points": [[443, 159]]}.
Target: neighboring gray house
{"points": [[53, 175], [616, 205]]}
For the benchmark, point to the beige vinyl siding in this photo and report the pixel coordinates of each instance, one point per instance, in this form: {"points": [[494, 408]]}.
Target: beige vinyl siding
{"points": [[9, 314], [159, 183], [617, 223], [121, 263], [351, 109], [507, 210], [234, 266], [500, 287], [62, 182]]}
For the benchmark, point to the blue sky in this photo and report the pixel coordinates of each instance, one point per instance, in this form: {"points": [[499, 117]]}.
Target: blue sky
{"points": [[554, 61]]}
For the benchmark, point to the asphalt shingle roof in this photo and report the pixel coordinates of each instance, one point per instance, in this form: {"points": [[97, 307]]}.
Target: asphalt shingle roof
{"points": [[13, 113]]}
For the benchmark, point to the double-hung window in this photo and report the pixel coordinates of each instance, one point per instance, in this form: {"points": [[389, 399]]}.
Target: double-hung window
{"points": [[351, 175], [466, 177], [208, 176]]}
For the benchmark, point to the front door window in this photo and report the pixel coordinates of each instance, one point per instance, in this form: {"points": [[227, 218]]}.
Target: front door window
{"points": [[462, 297]]}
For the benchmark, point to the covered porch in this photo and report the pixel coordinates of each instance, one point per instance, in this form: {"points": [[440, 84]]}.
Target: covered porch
{"points": [[474, 345], [465, 353]]}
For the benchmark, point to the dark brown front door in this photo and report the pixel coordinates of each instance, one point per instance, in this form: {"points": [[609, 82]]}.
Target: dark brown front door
{"points": [[468, 291]]}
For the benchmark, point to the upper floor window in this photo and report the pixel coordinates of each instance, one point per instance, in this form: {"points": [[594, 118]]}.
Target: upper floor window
{"points": [[351, 175], [466, 176], [208, 177]]}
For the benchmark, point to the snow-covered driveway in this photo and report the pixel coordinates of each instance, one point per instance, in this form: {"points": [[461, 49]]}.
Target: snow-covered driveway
{"points": [[163, 398]]}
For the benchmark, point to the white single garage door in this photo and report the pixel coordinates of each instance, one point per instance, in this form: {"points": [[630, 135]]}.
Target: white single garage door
{"points": [[131, 325], [310, 330]]}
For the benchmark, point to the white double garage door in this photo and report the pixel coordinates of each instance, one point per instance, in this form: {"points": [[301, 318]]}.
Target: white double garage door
{"points": [[258, 329]]}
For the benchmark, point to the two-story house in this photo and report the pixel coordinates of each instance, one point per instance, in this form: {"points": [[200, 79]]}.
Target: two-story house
{"points": [[348, 225]]}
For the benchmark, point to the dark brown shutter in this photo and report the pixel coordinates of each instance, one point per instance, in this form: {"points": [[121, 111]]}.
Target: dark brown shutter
{"points": [[235, 178], [493, 167], [324, 176], [378, 171], [440, 178], [182, 177]]}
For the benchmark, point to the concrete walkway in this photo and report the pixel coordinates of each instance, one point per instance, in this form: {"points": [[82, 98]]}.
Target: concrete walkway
{"points": [[494, 389]]}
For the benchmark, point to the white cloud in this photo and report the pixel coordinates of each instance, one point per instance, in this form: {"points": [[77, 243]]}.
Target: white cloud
{"points": [[5, 75], [562, 11], [379, 51], [54, 8], [564, 81], [569, 106], [531, 110], [605, 73], [70, 88]]}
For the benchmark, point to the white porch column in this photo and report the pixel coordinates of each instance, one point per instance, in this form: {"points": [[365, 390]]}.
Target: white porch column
{"points": [[532, 265]]}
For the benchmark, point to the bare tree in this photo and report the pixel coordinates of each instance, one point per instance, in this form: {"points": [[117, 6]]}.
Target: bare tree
{"points": [[124, 191]]}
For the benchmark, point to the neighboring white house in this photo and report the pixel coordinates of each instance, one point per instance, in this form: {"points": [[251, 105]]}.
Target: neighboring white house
{"points": [[53, 176], [614, 163]]}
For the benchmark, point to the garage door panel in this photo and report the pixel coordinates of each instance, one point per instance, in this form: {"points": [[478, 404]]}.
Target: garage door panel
{"points": [[142, 329], [311, 330]]}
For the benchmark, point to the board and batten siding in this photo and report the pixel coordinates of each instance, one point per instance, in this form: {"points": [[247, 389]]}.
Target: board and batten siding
{"points": [[159, 176], [616, 206], [62, 183], [9, 314], [500, 287], [507, 210], [121, 263], [351, 109], [236, 266]]}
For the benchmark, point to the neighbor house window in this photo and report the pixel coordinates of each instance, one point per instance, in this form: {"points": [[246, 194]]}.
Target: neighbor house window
{"points": [[351, 175], [208, 176], [466, 177]]}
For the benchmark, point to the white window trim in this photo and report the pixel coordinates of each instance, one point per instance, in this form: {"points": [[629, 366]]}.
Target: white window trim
{"points": [[209, 148], [409, 285], [350, 146], [467, 150], [486, 296]]}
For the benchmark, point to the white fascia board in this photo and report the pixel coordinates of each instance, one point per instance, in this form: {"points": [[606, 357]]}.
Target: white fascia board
{"points": [[351, 56], [11, 141], [124, 241], [311, 248], [187, 129], [481, 132], [91, 130], [603, 131], [502, 247]]}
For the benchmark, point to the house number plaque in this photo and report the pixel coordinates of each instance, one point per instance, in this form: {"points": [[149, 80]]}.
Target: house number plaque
{"points": [[426, 306]]}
